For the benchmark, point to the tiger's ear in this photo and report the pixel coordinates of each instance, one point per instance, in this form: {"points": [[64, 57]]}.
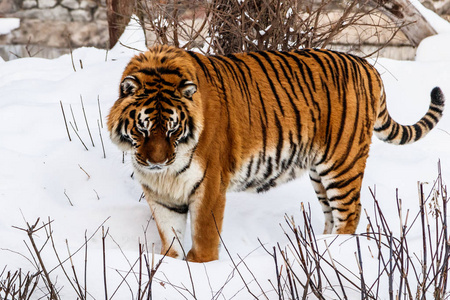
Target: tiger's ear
{"points": [[129, 86], [187, 89]]}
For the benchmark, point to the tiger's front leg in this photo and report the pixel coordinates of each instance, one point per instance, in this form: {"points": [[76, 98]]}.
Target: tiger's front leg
{"points": [[171, 223], [207, 210]]}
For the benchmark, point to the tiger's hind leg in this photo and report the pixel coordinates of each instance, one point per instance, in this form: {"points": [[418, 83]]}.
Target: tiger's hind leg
{"points": [[342, 187], [322, 196]]}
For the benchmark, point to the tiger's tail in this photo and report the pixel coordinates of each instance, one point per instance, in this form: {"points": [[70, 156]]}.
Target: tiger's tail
{"points": [[386, 129]]}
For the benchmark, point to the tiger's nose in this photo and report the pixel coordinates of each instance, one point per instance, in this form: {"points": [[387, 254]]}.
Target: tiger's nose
{"points": [[158, 155], [158, 149]]}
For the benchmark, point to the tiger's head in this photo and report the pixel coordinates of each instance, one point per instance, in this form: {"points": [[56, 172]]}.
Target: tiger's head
{"points": [[158, 115]]}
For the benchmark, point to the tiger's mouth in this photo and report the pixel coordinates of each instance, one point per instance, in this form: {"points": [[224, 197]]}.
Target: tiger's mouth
{"points": [[150, 167], [156, 167]]}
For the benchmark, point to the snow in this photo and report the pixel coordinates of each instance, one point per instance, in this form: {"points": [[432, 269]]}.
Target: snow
{"points": [[44, 175], [132, 39], [8, 24], [434, 48], [439, 24]]}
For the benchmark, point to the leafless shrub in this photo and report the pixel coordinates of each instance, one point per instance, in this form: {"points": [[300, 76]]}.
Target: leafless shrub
{"points": [[223, 26], [304, 267], [17, 285]]}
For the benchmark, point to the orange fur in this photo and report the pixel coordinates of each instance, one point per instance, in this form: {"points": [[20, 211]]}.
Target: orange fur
{"points": [[199, 126]]}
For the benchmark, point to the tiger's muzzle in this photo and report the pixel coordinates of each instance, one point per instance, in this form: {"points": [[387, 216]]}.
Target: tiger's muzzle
{"points": [[156, 152]]}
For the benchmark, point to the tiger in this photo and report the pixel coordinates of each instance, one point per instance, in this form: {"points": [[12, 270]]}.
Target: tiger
{"points": [[198, 126]]}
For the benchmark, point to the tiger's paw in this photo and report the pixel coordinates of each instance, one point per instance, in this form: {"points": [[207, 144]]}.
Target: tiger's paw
{"points": [[194, 256]]}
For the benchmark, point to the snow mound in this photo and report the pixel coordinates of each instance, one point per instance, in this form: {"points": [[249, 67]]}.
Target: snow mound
{"points": [[8, 24], [434, 48], [439, 24]]}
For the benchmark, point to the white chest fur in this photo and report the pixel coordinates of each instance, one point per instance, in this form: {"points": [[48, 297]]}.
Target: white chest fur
{"points": [[175, 183]]}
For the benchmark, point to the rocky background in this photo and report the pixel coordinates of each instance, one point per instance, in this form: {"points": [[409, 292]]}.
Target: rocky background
{"points": [[49, 28]]}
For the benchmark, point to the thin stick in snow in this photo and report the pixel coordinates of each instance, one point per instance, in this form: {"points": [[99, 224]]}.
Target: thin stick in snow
{"points": [[104, 260], [101, 139], [360, 267], [79, 137], [106, 55], [89, 177], [87, 124], [79, 290], [142, 196], [71, 204], [99, 110], [71, 54], [85, 263], [65, 121], [73, 117]]}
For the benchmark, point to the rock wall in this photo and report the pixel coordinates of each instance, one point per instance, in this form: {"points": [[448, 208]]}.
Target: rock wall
{"points": [[49, 28]]}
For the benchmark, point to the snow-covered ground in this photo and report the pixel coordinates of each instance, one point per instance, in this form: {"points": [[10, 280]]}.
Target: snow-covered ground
{"points": [[44, 175]]}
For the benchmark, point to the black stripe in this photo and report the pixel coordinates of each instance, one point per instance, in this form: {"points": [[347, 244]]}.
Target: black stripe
{"points": [[202, 65], [385, 126], [147, 92], [319, 61], [362, 153], [433, 117], [263, 106], [198, 183], [241, 81], [383, 107], [342, 183], [249, 169], [306, 67], [428, 123], [223, 88], [342, 196], [436, 109], [293, 149], [300, 66], [269, 169], [316, 180], [394, 131], [328, 124], [417, 131], [181, 209], [348, 217], [406, 135], [132, 114], [242, 64], [189, 162], [291, 100], [160, 71], [272, 86], [264, 137], [332, 57], [258, 163], [280, 139]]}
